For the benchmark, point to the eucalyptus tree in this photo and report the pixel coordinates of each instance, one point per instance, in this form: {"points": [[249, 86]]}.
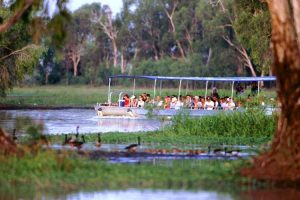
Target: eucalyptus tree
{"points": [[218, 17], [22, 24], [282, 161], [253, 27], [79, 31]]}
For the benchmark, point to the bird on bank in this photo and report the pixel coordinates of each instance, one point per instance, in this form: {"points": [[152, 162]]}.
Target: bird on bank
{"points": [[132, 148], [77, 143], [98, 141]]}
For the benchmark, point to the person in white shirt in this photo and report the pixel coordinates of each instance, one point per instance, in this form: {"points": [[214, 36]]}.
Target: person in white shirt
{"points": [[140, 102], [209, 104], [231, 104]]}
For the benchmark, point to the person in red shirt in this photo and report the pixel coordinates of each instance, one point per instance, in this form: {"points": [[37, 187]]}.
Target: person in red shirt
{"points": [[126, 100]]}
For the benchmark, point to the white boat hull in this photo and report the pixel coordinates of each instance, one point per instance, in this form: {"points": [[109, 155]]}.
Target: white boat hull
{"points": [[114, 111]]}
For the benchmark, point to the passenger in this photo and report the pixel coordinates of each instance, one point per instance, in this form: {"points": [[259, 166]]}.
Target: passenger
{"points": [[239, 89], [231, 104], [133, 101], [126, 100], [158, 102], [167, 102], [148, 98], [196, 102], [209, 104], [173, 103], [216, 103], [254, 88], [214, 93], [144, 95], [239, 105], [179, 103], [201, 104], [224, 104], [140, 102], [188, 103]]}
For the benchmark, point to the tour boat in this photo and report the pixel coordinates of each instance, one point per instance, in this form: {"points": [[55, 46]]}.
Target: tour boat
{"points": [[109, 109]]}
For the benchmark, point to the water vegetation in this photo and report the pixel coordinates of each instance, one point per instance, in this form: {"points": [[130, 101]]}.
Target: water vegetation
{"points": [[251, 127]]}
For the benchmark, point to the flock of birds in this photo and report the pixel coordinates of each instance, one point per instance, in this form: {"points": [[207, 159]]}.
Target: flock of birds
{"points": [[76, 141]]}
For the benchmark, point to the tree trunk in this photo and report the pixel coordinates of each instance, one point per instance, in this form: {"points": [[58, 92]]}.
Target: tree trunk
{"points": [[282, 161], [115, 52]]}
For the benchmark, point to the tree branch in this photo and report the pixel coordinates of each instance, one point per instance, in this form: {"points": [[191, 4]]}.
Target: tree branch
{"points": [[15, 18]]}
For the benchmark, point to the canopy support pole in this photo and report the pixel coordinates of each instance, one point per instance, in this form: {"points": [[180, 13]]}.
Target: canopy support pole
{"points": [[206, 87], [133, 87], [154, 90], [232, 89], [187, 87], [160, 85], [109, 97], [258, 83], [179, 90]]}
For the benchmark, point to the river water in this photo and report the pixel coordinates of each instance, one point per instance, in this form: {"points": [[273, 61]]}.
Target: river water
{"points": [[65, 121]]}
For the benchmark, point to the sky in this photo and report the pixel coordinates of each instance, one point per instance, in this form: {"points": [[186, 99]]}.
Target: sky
{"points": [[115, 5]]}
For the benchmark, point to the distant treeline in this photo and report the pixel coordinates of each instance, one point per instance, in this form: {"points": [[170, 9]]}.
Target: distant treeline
{"points": [[155, 37]]}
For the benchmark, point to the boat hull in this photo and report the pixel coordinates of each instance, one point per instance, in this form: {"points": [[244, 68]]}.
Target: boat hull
{"points": [[114, 111]]}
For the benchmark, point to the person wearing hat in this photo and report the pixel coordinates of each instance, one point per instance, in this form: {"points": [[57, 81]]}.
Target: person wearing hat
{"points": [[133, 101]]}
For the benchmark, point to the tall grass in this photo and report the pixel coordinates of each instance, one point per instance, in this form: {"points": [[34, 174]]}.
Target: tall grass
{"points": [[47, 169], [251, 123]]}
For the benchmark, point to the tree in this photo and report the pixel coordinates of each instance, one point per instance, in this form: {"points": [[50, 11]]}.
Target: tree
{"points": [[22, 24], [78, 31], [282, 161], [253, 27]]}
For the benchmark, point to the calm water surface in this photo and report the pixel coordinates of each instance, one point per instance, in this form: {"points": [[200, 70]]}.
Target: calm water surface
{"points": [[65, 121]]}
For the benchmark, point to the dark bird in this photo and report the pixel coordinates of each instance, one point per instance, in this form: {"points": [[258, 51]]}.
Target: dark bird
{"points": [[14, 137], [67, 139], [98, 141], [77, 143], [133, 147]]}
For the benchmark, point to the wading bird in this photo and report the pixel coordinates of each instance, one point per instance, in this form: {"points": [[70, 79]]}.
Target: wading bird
{"points": [[98, 141], [133, 147]]}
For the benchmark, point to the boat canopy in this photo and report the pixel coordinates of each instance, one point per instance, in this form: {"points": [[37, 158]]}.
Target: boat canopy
{"points": [[229, 79], [233, 80]]}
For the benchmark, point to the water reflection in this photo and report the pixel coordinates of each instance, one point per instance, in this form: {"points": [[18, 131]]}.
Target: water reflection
{"points": [[65, 121]]}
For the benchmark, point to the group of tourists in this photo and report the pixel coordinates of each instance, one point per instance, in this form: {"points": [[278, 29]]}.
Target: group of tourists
{"points": [[212, 102]]}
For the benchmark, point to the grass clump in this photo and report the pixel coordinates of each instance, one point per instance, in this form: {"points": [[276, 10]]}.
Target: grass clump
{"points": [[251, 123]]}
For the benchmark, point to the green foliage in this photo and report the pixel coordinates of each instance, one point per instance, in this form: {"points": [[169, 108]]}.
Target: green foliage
{"points": [[249, 123], [253, 29], [49, 169]]}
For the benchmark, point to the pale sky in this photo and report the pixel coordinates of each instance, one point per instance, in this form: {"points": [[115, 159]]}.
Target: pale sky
{"points": [[115, 5]]}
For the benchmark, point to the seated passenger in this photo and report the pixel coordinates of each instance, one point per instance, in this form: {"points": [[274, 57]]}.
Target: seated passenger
{"points": [[126, 100], [224, 104], [173, 103], [167, 102], [133, 101], [179, 103], [158, 102], [148, 99], [201, 104], [231, 104], [140, 102], [188, 101], [216, 103], [209, 104], [196, 102]]}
